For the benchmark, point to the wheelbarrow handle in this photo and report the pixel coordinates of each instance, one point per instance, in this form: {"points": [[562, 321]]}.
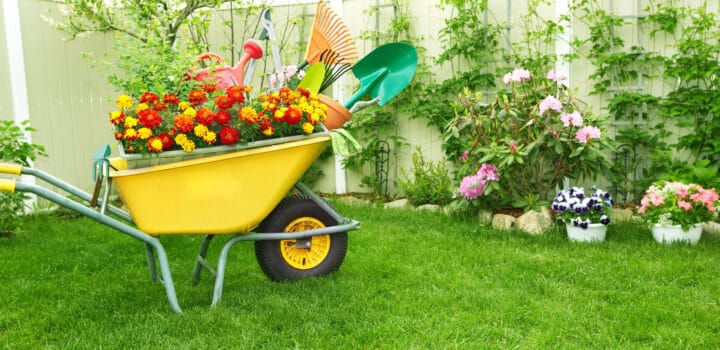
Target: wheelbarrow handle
{"points": [[9, 168], [7, 185]]}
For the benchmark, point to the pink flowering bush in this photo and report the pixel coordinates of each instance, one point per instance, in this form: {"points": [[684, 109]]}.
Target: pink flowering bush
{"points": [[533, 131], [675, 203], [473, 186]]}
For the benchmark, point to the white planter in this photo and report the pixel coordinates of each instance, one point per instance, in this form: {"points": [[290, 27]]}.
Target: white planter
{"points": [[675, 233], [594, 233]]}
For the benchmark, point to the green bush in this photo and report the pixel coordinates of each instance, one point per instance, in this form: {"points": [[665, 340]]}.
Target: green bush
{"points": [[430, 182], [15, 149]]}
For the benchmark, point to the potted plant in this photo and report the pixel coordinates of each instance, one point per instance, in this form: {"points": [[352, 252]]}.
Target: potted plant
{"points": [[586, 214], [676, 210]]}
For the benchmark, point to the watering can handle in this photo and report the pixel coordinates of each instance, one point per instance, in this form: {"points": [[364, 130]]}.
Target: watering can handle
{"points": [[209, 55]]}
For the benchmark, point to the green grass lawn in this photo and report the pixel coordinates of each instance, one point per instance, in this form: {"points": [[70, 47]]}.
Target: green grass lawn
{"points": [[410, 280]]}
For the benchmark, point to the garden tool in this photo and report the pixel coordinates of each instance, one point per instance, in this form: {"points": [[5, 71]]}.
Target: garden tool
{"points": [[314, 77], [333, 70], [329, 32], [268, 26], [226, 76], [384, 72]]}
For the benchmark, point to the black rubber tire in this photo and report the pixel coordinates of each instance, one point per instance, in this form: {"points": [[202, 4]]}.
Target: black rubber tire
{"points": [[269, 255]]}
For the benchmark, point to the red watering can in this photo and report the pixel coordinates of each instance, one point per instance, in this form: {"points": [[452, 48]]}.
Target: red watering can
{"points": [[223, 75]]}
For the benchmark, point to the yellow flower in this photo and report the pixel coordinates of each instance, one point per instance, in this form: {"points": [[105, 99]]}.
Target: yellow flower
{"points": [[210, 137], [308, 128], [201, 130], [130, 134], [130, 122], [141, 107], [116, 117], [280, 114], [124, 102], [190, 112], [156, 145], [144, 133], [180, 139], [268, 132], [188, 146], [184, 105]]}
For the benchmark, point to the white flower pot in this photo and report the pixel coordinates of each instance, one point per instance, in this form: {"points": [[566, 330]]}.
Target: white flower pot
{"points": [[674, 233], [594, 233]]}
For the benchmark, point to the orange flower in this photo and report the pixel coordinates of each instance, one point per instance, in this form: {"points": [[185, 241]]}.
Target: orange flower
{"points": [[184, 122], [197, 97], [205, 116]]}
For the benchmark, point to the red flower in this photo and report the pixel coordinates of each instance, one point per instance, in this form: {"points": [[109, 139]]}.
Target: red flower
{"points": [[224, 102], [155, 145], [293, 115], [197, 97], [171, 99], [160, 106], [223, 117], [236, 93], [210, 87], [167, 141], [205, 116], [229, 136], [184, 122], [149, 98], [304, 92], [149, 118]]}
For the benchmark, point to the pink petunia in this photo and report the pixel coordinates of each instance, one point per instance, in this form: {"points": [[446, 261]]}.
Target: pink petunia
{"points": [[682, 192], [553, 75], [656, 199], [587, 133], [574, 119], [550, 103], [684, 205]]}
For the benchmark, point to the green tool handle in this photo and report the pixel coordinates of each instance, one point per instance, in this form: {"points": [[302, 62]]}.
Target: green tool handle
{"points": [[366, 85]]}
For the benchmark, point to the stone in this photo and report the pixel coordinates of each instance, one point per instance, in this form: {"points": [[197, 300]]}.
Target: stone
{"points": [[400, 203], [711, 228], [503, 222], [485, 217], [621, 215], [535, 222], [429, 207], [353, 201]]}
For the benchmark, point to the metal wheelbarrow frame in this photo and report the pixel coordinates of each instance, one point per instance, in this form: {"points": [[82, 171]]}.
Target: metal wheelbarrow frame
{"points": [[98, 208]]}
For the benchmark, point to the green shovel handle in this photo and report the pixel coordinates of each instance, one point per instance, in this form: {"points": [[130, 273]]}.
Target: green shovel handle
{"points": [[366, 84]]}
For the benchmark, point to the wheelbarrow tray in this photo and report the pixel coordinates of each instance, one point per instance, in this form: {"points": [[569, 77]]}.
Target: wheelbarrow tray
{"points": [[220, 194]]}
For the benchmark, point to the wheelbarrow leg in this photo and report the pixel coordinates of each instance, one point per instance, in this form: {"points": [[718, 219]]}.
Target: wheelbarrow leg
{"points": [[151, 263], [222, 261], [200, 262]]}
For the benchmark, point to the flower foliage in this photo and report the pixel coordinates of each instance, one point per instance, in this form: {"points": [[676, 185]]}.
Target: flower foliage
{"points": [[675, 203], [581, 208], [534, 131], [209, 118]]}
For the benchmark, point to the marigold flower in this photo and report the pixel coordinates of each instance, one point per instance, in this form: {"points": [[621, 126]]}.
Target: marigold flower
{"points": [[150, 118], [149, 98], [180, 139], [183, 105], [236, 93], [130, 122], [210, 137], [184, 123], [159, 106], [293, 116], [141, 107], [188, 146], [224, 102], [200, 130], [155, 145], [144, 133], [167, 141], [223, 118], [190, 112], [308, 128], [117, 117], [205, 116], [124, 102], [229, 136], [248, 115], [130, 135], [279, 115], [171, 99], [197, 97]]}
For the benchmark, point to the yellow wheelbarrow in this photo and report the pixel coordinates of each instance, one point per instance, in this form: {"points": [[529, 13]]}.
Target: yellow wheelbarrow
{"points": [[250, 194]]}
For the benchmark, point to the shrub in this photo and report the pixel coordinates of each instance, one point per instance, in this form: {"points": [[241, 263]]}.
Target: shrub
{"points": [[14, 148], [430, 182]]}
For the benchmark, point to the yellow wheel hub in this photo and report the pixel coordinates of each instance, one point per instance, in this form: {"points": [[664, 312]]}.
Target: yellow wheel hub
{"points": [[308, 253]]}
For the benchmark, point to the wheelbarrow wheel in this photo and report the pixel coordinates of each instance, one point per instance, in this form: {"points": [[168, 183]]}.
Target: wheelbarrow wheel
{"points": [[296, 259]]}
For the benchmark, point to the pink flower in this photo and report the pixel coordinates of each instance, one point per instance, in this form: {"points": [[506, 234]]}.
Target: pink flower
{"points": [[574, 119], [489, 172], [464, 156], [551, 103], [587, 133], [684, 205], [518, 75], [513, 147], [682, 192], [553, 75], [472, 186], [656, 199], [706, 197]]}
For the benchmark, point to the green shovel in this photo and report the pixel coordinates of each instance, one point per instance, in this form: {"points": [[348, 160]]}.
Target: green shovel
{"points": [[384, 72]]}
